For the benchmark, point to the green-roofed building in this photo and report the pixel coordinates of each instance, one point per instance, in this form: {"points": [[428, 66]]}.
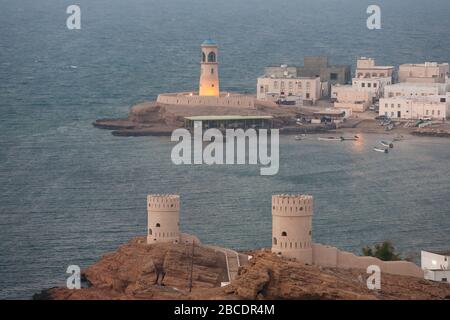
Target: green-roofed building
{"points": [[230, 122]]}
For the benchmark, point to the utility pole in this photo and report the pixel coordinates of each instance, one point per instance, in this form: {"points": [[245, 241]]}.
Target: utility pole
{"points": [[192, 267]]}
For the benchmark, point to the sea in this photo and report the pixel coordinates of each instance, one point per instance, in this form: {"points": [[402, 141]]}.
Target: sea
{"points": [[70, 193]]}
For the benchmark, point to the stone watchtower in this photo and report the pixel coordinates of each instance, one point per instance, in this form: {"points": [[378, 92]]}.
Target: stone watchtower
{"points": [[292, 226], [163, 218], [209, 76]]}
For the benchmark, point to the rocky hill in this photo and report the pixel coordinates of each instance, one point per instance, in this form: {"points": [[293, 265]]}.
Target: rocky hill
{"points": [[131, 271]]}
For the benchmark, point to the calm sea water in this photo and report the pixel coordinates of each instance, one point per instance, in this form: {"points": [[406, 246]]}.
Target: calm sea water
{"points": [[69, 192]]}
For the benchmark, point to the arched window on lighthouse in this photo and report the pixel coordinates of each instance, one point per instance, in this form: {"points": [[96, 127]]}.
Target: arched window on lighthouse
{"points": [[284, 234], [203, 57], [211, 57], [275, 241], [158, 225]]}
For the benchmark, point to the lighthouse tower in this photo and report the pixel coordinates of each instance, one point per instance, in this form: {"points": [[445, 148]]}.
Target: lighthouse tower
{"points": [[163, 216], [291, 227], [209, 76]]}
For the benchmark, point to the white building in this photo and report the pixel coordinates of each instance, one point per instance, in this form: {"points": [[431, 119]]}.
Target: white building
{"points": [[436, 266], [411, 89], [304, 89], [416, 101], [435, 107], [374, 85]]}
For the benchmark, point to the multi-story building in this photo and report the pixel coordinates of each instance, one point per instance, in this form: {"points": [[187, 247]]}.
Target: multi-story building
{"points": [[367, 68], [367, 86], [315, 66], [373, 85], [306, 90], [428, 72]]}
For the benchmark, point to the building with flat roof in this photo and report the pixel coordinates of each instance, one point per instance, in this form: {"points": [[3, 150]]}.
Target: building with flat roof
{"points": [[351, 97], [230, 122], [436, 108], [411, 89], [302, 90], [367, 68], [424, 72], [315, 66], [436, 265]]}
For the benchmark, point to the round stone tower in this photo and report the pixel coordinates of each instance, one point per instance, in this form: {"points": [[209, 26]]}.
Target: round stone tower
{"points": [[163, 218], [292, 226], [209, 76]]}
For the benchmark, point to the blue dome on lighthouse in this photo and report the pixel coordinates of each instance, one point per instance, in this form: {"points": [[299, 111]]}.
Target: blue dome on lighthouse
{"points": [[209, 42]]}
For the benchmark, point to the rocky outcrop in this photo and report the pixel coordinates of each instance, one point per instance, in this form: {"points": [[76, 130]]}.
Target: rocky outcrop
{"points": [[131, 272]]}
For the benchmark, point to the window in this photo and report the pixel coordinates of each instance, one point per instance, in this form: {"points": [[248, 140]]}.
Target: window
{"points": [[299, 84], [275, 241], [392, 106], [211, 57], [158, 225], [398, 106], [150, 231], [275, 84], [375, 85], [203, 57], [334, 76], [261, 89], [363, 85], [443, 99], [369, 85], [284, 234], [212, 70]]}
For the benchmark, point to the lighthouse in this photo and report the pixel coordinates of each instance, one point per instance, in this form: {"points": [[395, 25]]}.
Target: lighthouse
{"points": [[209, 73]]}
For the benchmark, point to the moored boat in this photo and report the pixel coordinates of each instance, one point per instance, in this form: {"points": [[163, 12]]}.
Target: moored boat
{"points": [[381, 150]]}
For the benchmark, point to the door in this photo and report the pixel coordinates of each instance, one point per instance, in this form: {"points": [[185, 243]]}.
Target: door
{"points": [[399, 114]]}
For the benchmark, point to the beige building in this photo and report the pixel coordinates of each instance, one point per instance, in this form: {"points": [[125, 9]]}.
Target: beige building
{"points": [[366, 68], [367, 86], [301, 89], [292, 239], [435, 107], [163, 218], [350, 97], [430, 72]]}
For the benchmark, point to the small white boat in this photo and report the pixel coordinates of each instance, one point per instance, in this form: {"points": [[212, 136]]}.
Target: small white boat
{"points": [[302, 137], [387, 144], [355, 138], [329, 139], [381, 150]]}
